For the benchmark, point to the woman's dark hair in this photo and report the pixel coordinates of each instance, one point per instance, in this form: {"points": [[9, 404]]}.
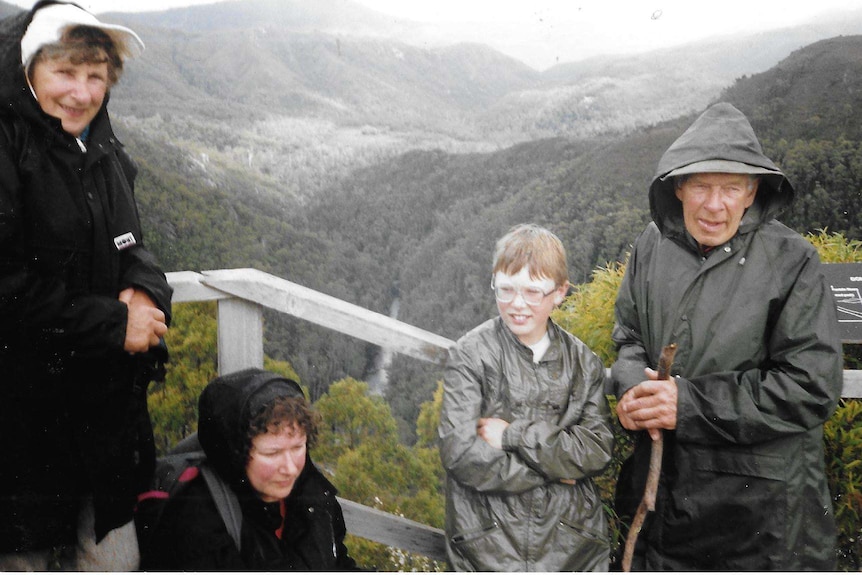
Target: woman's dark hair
{"points": [[86, 45], [283, 411]]}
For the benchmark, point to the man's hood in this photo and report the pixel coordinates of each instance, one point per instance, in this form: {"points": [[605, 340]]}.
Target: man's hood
{"points": [[226, 406], [720, 140]]}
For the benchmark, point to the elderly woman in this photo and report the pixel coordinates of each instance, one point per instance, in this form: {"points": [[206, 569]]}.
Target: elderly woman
{"points": [[83, 306], [255, 428]]}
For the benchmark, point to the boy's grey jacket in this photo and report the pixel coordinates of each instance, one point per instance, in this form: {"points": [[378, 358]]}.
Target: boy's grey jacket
{"points": [[507, 510], [758, 372]]}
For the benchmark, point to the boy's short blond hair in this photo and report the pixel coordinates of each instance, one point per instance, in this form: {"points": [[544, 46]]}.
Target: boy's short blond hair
{"points": [[532, 246]]}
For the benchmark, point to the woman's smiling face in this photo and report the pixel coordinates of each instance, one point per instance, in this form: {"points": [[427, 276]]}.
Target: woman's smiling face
{"points": [[72, 93]]}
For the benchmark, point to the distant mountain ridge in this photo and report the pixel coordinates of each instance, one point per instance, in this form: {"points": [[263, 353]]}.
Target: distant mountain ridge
{"points": [[816, 91], [365, 167], [330, 16], [338, 61]]}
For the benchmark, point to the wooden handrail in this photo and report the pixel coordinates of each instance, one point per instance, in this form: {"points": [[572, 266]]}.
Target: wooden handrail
{"points": [[392, 530], [243, 293]]}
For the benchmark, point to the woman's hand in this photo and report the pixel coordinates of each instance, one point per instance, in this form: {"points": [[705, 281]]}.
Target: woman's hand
{"points": [[146, 322]]}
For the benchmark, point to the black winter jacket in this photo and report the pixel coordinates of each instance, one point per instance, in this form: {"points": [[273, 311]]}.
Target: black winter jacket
{"points": [[192, 535], [73, 416], [758, 372]]}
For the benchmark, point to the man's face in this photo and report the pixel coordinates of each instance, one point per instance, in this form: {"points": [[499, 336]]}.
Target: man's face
{"points": [[713, 205]]}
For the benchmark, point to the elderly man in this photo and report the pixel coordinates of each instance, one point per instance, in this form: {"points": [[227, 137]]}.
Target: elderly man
{"points": [[757, 372]]}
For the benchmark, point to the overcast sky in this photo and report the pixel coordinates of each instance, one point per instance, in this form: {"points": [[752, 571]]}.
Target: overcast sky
{"points": [[565, 30]]}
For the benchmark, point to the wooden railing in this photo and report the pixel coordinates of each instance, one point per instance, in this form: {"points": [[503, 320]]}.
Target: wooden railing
{"points": [[242, 294]]}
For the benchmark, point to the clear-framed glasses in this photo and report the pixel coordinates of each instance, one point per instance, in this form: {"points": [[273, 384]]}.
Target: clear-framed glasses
{"points": [[532, 295]]}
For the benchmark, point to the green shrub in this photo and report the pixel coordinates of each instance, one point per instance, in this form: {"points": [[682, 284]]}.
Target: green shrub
{"points": [[843, 437]]}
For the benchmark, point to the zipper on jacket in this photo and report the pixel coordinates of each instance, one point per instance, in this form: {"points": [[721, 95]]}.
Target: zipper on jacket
{"points": [[461, 537]]}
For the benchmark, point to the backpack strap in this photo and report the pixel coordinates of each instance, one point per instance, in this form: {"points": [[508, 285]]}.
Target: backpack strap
{"points": [[226, 502], [225, 499]]}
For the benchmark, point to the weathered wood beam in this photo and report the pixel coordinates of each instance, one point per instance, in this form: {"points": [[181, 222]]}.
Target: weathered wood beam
{"points": [[240, 335], [392, 530], [299, 301], [188, 288], [852, 384]]}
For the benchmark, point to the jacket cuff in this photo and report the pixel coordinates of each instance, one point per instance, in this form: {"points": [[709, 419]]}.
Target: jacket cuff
{"points": [[683, 398], [513, 433]]}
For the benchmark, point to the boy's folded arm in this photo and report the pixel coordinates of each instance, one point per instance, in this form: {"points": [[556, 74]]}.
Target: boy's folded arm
{"points": [[581, 446], [465, 455], [485, 468]]}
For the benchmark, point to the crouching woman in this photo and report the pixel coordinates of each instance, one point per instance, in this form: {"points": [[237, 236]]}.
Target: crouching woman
{"points": [[255, 428]]}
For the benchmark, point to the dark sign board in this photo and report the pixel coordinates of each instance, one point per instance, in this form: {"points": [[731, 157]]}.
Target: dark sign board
{"points": [[846, 283]]}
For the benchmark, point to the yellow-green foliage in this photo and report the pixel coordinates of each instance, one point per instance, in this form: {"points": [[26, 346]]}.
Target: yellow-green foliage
{"points": [[843, 432], [843, 436], [359, 449], [429, 419], [192, 344], [351, 419], [588, 313], [835, 248]]}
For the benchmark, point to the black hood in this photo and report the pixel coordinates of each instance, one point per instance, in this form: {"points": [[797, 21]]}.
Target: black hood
{"points": [[721, 133], [12, 82], [226, 406]]}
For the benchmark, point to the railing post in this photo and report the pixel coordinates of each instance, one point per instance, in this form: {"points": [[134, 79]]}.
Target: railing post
{"points": [[240, 335]]}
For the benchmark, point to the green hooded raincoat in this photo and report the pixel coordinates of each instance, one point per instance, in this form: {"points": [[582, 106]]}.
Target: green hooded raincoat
{"points": [[758, 372]]}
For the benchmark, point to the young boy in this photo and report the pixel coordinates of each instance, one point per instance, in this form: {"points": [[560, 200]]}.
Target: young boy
{"points": [[524, 426]]}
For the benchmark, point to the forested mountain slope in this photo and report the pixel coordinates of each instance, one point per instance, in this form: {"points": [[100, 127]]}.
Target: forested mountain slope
{"points": [[420, 226], [592, 193], [371, 169]]}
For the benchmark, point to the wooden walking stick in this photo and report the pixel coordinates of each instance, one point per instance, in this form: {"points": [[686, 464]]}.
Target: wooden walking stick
{"points": [[656, 450]]}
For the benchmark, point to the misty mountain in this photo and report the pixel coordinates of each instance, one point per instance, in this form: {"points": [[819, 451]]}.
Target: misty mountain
{"points": [[330, 69], [369, 168], [333, 17], [251, 83], [337, 61], [433, 217], [813, 93], [259, 74]]}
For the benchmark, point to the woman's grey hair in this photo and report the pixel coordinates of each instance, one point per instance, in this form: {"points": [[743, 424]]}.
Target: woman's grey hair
{"points": [[86, 45]]}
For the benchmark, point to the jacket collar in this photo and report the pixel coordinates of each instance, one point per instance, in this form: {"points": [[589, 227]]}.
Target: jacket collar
{"points": [[553, 332]]}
